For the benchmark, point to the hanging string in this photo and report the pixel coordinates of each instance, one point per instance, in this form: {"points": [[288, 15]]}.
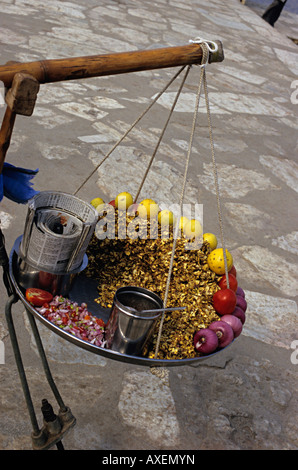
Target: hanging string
{"points": [[204, 61], [130, 128], [215, 174], [162, 133], [155, 370], [206, 48]]}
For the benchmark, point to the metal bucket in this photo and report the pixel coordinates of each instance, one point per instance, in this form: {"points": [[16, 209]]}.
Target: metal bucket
{"points": [[129, 328]]}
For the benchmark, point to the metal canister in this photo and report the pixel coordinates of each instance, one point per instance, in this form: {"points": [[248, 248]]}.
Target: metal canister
{"points": [[52, 250], [129, 327]]}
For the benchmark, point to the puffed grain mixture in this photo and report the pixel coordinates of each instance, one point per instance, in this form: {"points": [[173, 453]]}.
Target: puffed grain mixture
{"points": [[145, 262]]}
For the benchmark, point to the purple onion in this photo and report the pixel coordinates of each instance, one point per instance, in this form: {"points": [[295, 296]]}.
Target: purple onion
{"points": [[241, 302], [223, 331], [240, 292], [239, 313], [234, 322], [205, 341]]}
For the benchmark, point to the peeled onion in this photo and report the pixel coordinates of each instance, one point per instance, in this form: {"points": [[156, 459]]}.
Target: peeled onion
{"points": [[241, 302], [239, 313], [234, 322], [205, 341], [240, 292], [224, 332]]}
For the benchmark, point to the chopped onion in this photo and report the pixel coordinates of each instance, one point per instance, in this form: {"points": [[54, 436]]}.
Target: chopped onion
{"points": [[234, 322], [223, 331], [205, 341], [75, 319]]}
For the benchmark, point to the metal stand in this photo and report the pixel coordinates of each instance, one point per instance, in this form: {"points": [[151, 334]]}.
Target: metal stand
{"points": [[54, 427]]}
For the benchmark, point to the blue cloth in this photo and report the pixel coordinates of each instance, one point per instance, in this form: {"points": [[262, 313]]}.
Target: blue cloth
{"points": [[15, 183]]}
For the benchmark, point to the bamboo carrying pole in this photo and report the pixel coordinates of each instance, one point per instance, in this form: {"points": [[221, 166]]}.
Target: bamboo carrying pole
{"points": [[55, 70]]}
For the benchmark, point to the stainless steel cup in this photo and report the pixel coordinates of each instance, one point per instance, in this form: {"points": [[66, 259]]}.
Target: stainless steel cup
{"points": [[129, 328]]}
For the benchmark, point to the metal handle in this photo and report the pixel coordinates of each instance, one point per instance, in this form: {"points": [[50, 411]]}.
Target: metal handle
{"points": [[162, 310]]}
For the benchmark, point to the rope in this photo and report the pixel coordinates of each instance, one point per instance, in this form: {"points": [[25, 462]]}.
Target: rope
{"points": [[162, 133], [204, 61], [203, 79], [215, 174], [130, 128], [207, 47]]}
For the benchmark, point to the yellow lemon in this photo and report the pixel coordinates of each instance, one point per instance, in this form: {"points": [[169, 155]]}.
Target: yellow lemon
{"points": [[148, 208], [166, 217], [193, 228], [211, 239], [97, 201], [123, 201], [216, 261]]}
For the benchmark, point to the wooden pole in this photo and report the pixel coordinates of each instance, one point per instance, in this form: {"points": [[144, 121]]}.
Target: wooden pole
{"points": [[22, 80], [5, 134], [20, 99], [55, 70]]}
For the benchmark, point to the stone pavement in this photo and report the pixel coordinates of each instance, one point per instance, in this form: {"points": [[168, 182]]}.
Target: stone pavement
{"points": [[246, 396], [286, 24]]}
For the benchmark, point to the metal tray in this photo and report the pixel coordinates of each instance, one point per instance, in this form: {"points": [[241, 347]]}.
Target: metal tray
{"points": [[85, 290]]}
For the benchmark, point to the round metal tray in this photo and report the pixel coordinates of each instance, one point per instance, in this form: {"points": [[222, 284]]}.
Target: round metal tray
{"points": [[85, 290]]}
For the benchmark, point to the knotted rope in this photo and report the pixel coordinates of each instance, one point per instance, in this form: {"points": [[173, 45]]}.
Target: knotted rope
{"points": [[160, 371]]}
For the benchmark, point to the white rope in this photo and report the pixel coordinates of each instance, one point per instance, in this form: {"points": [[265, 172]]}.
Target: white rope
{"points": [[204, 62], [162, 133], [154, 100], [206, 50], [216, 182], [211, 48]]}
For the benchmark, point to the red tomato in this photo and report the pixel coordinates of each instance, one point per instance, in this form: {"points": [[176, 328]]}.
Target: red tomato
{"points": [[224, 301], [233, 271], [100, 322], [232, 282], [38, 297], [112, 203]]}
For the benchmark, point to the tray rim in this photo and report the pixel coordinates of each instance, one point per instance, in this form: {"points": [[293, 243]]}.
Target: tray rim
{"points": [[98, 350]]}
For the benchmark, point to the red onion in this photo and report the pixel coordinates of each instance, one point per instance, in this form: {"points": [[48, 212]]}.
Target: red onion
{"points": [[239, 313], [241, 302], [223, 331], [234, 322], [205, 341], [240, 292]]}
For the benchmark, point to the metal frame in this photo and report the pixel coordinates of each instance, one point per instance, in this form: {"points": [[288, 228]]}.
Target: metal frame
{"points": [[55, 426]]}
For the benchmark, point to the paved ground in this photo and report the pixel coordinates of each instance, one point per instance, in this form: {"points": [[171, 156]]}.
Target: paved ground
{"points": [[286, 23], [246, 397], [290, 6]]}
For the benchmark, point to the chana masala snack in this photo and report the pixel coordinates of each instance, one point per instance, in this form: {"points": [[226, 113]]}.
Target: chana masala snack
{"points": [[145, 262]]}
